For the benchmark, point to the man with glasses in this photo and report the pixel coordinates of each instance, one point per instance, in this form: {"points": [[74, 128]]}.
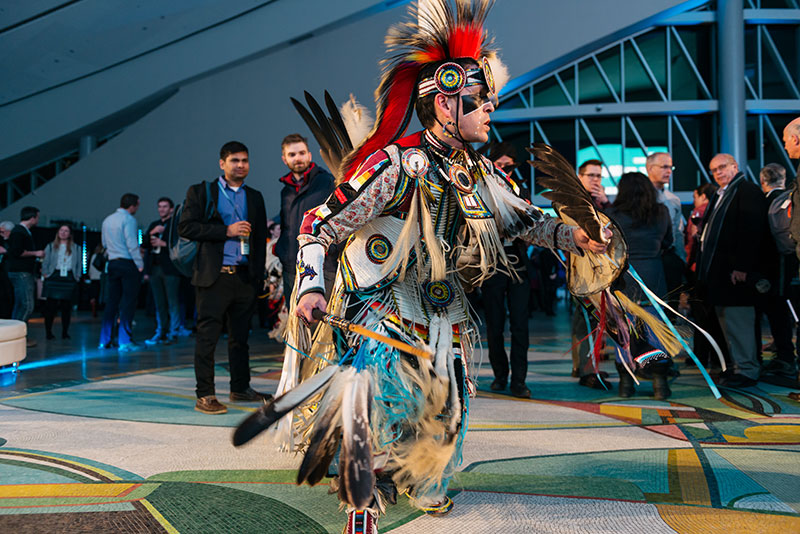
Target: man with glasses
{"points": [[791, 142], [735, 232], [591, 176], [659, 170]]}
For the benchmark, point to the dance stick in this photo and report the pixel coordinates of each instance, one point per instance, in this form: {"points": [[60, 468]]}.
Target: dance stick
{"points": [[344, 324]]}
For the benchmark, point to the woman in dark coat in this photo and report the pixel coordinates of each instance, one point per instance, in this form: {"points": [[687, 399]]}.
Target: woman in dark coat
{"points": [[647, 228]]}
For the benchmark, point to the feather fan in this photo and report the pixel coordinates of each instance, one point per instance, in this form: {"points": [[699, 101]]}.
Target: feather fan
{"points": [[567, 193]]}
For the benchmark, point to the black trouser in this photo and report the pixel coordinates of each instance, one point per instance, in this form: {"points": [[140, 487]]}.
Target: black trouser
{"points": [[775, 307], [124, 280], [6, 294], [706, 318], [231, 298], [495, 291], [50, 308], [166, 290]]}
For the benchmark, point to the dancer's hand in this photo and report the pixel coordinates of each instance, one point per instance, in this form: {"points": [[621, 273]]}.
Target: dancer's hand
{"points": [[309, 302], [583, 241]]}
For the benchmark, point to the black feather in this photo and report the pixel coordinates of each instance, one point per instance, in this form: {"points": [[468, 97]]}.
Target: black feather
{"points": [[567, 192], [323, 446], [273, 411], [326, 433], [330, 141], [338, 124], [311, 122], [356, 475]]}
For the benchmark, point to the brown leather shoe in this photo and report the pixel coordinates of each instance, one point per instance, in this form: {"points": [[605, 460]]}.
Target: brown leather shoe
{"points": [[210, 405], [250, 395]]}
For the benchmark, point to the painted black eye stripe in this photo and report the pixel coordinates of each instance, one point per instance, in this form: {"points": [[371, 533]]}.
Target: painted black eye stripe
{"points": [[470, 103]]}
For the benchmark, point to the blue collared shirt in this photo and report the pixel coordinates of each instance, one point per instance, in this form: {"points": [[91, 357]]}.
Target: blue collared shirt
{"points": [[232, 206], [121, 237]]}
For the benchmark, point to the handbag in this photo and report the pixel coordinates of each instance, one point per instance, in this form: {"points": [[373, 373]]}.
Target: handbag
{"points": [[182, 251], [56, 287], [99, 262]]}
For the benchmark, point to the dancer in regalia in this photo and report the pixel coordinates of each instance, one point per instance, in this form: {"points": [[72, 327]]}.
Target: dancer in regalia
{"points": [[423, 218]]}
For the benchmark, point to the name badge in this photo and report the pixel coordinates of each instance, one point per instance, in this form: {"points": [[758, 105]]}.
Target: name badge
{"points": [[63, 272]]}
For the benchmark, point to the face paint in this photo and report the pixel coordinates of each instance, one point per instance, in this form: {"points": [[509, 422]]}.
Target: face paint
{"points": [[471, 103]]}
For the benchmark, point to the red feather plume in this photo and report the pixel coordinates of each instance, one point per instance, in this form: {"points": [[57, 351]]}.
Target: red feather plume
{"points": [[398, 90], [439, 30]]}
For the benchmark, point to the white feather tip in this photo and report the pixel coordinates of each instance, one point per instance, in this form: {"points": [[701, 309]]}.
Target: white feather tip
{"points": [[357, 120]]}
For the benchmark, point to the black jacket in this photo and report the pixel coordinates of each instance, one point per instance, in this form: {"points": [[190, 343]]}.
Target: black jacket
{"points": [[212, 234], [162, 258], [737, 239], [19, 241], [316, 189]]}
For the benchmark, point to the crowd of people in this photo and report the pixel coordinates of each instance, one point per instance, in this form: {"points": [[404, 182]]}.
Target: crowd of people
{"points": [[729, 264], [397, 244]]}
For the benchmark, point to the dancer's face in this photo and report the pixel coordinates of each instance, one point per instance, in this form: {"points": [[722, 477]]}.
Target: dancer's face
{"points": [[473, 113]]}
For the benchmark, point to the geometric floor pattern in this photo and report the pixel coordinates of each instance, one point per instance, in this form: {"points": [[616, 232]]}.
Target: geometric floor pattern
{"points": [[130, 455]]}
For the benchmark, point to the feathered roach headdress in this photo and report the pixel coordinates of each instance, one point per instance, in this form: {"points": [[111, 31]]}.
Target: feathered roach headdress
{"points": [[440, 32]]}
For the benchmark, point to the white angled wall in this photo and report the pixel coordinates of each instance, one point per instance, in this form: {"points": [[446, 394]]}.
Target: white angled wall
{"points": [[177, 143]]}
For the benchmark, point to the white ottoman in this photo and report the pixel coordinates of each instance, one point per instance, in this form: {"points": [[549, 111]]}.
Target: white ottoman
{"points": [[12, 341]]}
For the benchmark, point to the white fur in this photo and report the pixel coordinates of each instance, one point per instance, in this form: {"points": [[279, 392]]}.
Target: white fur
{"points": [[357, 120]]}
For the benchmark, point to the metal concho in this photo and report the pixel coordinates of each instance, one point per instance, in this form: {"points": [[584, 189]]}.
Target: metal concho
{"points": [[439, 294], [450, 78], [415, 162], [461, 179]]}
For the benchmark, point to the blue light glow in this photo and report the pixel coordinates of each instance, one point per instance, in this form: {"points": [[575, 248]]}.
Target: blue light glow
{"points": [[57, 360], [140, 237], [84, 262]]}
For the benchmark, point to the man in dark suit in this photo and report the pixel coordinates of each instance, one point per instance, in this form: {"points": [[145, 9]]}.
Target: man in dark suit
{"points": [[228, 272], [730, 266]]}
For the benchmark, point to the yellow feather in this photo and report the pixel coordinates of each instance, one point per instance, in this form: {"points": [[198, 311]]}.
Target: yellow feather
{"points": [[660, 330]]}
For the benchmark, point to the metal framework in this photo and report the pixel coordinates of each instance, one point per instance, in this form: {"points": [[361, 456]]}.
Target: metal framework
{"points": [[665, 75], [15, 187]]}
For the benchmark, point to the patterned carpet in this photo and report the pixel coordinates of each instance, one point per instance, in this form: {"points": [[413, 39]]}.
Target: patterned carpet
{"points": [[130, 455]]}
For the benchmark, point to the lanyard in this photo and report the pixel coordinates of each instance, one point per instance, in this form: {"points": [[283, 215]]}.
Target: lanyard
{"points": [[225, 194]]}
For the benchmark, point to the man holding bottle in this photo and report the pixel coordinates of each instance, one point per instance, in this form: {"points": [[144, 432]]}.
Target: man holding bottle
{"points": [[228, 272]]}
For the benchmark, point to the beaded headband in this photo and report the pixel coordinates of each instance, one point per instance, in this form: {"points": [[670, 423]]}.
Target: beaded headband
{"points": [[450, 78]]}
